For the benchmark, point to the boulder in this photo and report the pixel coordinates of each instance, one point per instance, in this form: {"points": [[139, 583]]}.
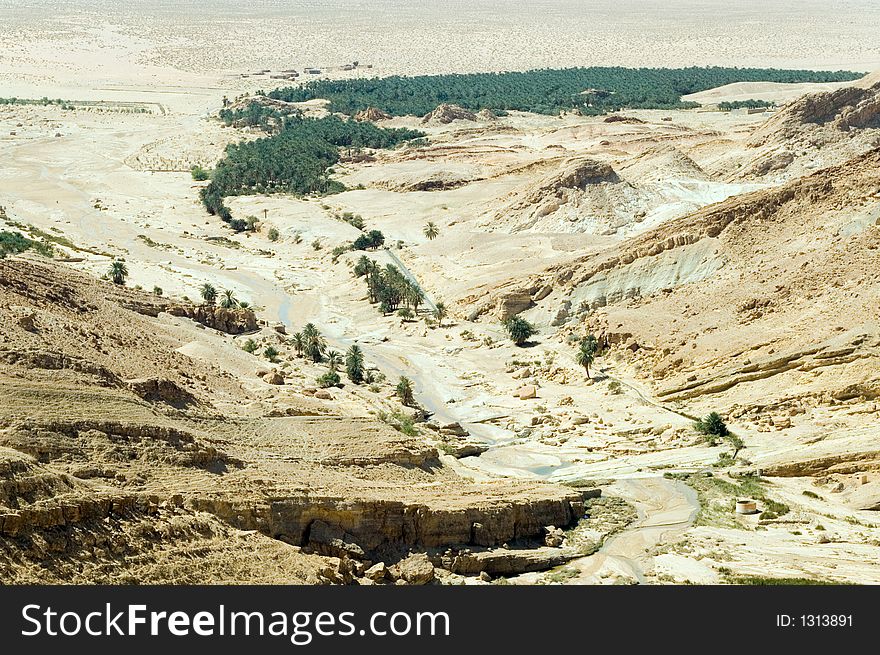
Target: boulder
{"points": [[377, 572], [274, 377], [527, 392], [554, 537], [454, 429], [323, 394], [415, 569]]}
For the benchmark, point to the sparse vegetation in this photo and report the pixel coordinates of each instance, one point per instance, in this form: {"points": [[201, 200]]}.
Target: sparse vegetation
{"points": [[369, 241], [718, 498], [519, 329], [271, 353], [586, 353], [354, 364], [208, 293], [228, 299], [744, 104], [118, 272], [329, 379], [712, 426], [405, 392], [249, 346], [440, 312], [431, 231], [199, 174], [313, 343]]}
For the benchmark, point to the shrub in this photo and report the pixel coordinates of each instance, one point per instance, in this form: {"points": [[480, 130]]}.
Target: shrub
{"points": [[519, 329], [199, 174], [250, 346], [273, 234], [329, 379], [271, 353], [712, 425], [404, 391]]}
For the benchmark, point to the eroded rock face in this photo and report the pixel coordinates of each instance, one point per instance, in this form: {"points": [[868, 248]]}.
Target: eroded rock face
{"points": [[161, 390], [377, 524], [512, 303], [503, 561], [230, 321]]}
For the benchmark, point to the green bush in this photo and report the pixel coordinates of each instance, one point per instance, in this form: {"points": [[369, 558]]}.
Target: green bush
{"points": [[199, 174], [519, 329], [329, 379], [712, 425], [14, 243]]}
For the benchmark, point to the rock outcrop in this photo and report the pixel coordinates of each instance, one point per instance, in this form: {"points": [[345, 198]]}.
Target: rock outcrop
{"points": [[230, 321], [446, 113], [371, 114], [512, 303]]}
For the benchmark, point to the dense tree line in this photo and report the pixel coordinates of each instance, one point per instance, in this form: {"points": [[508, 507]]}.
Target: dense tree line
{"points": [[590, 91], [744, 104], [296, 160]]}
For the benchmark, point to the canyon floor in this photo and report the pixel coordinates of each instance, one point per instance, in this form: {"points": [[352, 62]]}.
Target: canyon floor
{"points": [[728, 259]]}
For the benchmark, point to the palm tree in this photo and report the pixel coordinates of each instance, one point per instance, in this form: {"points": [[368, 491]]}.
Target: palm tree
{"points": [[519, 329], [404, 391], [314, 343], [440, 312], [354, 364], [586, 353], [228, 300], [209, 293], [412, 294], [334, 359], [118, 271], [431, 231], [299, 344]]}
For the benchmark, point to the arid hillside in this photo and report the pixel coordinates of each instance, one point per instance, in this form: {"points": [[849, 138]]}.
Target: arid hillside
{"points": [[123, 459]]}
